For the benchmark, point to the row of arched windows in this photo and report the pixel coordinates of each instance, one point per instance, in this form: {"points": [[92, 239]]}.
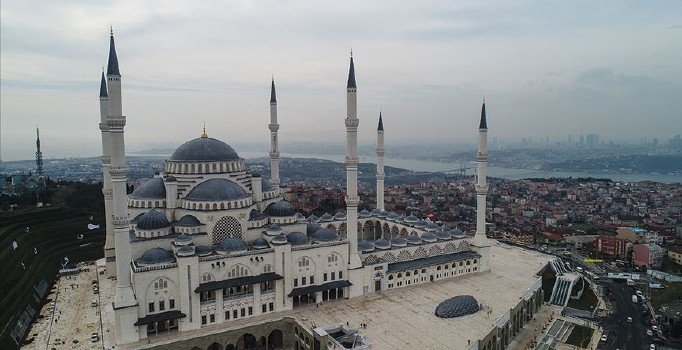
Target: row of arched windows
{"points": [[204, 168], [241, 203], [146, 203]]}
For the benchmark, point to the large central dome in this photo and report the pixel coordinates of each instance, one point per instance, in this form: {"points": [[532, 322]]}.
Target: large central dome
{"points": [[204, 149]]}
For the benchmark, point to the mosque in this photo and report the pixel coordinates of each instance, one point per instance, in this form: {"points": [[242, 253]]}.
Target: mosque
{"points": [[208, 242]]}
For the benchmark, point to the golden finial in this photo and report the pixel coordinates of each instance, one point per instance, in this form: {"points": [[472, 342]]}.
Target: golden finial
{"points": [[203, 135]]}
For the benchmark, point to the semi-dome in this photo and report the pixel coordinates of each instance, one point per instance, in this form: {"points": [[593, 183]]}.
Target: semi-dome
{"points": [[260, 243], [203, 250], [398, 241], [215, 190], [312, 228], [280, 208], [137, 217], [152, 220], [266, 185], [204, 149], [365, 246], [460, 305], [325, 235], [382, 244], [280, 239], [156, 256], [231, 245], [188, 221], [297, 238], [429, 237], [414, 239], [150, 189]]}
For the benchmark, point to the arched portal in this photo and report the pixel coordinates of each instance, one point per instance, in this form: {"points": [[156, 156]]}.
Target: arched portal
{"points": [[262, 343], [247, 342], [386, 231], [215, 346], [229, 347], [368, 231], [227, 226], [275, 340]]}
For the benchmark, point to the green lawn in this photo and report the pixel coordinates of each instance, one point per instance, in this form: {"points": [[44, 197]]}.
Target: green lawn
{"points": [[580, 336]]}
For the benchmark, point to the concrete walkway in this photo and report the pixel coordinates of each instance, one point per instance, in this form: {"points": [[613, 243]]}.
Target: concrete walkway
{"points": [[533, 331]]}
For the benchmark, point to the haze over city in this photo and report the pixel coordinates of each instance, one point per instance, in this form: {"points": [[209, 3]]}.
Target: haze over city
{"points": [[549, 69]]}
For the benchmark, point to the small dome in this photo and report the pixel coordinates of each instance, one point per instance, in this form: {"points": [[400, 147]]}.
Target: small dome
{"points": [[391, 216], [414, 239], [325, 235], [400, 218], [297, 238], [170, 178], [382, 244], [365, 246], [266, 185], [182, 239], [273, 230], [152, 220], [312, 228], [156, 256], [231, 245], [460, 305], [383, 214], [376, 212], [280, 239], [444, 235], [186, 251], [398, 241], [432, 226], [365, 214], [340, 216], [204, 149], [326, 218], [260, 243], [411, 219], [429, 237], [420, 224], [255, 215], [150, 189], [203, 250], [300, 217], [281, 208], [313, 218], [458, 234], [188, 221], [217, 190]]}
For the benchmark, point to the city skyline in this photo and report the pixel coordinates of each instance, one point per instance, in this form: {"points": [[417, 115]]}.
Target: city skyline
{"points": [[427, 67]]}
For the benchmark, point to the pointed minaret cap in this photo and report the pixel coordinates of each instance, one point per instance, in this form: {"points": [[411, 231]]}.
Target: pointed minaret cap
{"points": [[112, 66], [103, 86], [351, 73], [483, 124], [273, 95], [381, 123]]}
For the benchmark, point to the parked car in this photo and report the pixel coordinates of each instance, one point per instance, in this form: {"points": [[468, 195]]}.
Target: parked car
{"points": [[629, 319], [649, 332], [94, 337], [652, 347], [604, 337]]}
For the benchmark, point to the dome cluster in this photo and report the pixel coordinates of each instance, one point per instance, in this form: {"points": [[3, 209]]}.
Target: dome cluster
{"points": [[458, 306]]}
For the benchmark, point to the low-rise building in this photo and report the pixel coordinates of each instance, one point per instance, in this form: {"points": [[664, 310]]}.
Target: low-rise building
{"points": [[675, 255], [648, 255], [611, 246]]}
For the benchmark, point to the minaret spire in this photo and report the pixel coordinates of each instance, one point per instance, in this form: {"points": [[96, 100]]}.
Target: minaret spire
{"points": [[352, 199], [480, 239], [274, 128], [380, 164], [112, 67]]}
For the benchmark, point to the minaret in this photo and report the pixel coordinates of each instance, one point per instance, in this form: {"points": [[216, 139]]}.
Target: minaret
{"points": [[39, 154], [480, 239], [274, 127], [125, 305], [352, 199], [380, 164], [109, 251]]}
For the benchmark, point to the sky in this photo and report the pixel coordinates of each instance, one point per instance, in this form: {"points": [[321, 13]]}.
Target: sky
{"points": [[547, 68]]}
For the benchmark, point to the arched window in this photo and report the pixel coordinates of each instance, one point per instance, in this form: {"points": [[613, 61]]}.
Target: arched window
{"points": [[438, 268], [400, 275], [390, 277]]}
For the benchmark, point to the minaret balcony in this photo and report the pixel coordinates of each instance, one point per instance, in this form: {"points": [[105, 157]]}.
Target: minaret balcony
{"points": [[482, 157], [121, 223], [106, 160], [352, 201], [352, 123], [481, 189], [353, 161], [381, 177], [274, 154], [116, 122], [104, 127], [380, 152], [273, 127]]}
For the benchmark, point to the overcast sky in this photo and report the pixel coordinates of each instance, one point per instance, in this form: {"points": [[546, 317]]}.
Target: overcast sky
{"points": [[548, 68]]}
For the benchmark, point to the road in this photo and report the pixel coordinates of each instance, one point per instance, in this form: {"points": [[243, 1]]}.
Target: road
{"points": [[622, 334]]}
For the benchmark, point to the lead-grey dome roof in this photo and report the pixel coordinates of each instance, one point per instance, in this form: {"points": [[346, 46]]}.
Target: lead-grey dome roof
{"points": [[365, 214], [188, 221], [203, 250], [413, 239], [312, 227], [215, 190], [280, 239], [266, 185], [429, 236], [281, 208], [204, 149], [325, 235], [231, 244], [444, 235], [156, 256], [297, 238], [365, 246], [382, 243], [260, 243], [152, 220], [398, 241], [150, 189], [460, 305]]}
